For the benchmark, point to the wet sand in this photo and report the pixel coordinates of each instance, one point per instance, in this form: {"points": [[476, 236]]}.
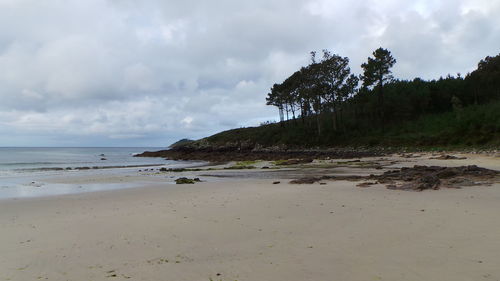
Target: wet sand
{"points": [[251, 229]]}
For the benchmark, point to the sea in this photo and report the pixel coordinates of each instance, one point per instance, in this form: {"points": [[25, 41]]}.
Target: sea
{"points": [[23, 170]]}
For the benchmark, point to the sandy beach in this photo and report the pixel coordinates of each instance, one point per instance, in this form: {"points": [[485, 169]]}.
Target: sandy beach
{"points": [[251, 229]]}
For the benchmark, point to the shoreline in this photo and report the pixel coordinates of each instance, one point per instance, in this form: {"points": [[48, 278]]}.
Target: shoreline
{"points": [[238, 228], [82, 181], [48, 182], [224, 154], [230, 152]]}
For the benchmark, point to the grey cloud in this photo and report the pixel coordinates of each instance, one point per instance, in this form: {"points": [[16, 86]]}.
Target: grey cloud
{"points": [[109, 72]]}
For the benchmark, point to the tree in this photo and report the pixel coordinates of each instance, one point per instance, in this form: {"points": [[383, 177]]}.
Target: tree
{"points": [[338, 82], [315, 88], [377, 72], [485, 81], [275, 98]]}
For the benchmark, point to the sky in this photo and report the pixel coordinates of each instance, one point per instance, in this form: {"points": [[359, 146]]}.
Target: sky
{"points": [[150, 72]]}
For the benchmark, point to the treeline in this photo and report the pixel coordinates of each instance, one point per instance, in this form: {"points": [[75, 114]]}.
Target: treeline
{"points": [[325, 99]]}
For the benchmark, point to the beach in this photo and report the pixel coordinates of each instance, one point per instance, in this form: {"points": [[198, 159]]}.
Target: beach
{"points": [[247, 228]]}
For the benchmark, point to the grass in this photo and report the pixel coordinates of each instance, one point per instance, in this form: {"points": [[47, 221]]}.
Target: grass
{"points": [[246, 163], [236, 167]]}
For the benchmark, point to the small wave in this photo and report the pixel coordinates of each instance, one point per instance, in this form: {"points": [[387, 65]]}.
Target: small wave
{"points": [[31, 163], [44, 169], [40, 163]]}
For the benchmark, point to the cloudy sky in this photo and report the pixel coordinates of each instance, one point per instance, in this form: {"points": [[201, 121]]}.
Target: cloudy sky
{"points": [[147, 73]]}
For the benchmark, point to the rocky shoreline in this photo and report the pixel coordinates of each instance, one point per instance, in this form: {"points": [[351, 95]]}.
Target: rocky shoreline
{"points": [[87, 168], [236, 154], [419, 178]]}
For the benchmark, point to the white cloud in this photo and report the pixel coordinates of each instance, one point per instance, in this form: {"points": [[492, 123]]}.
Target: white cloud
{"points": [[109, 72]]}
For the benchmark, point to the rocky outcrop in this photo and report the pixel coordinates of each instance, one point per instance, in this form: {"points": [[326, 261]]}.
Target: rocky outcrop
{"points": [[239, 153], [420, 178]]}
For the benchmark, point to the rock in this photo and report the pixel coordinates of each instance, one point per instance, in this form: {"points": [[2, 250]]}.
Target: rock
{"points": [[276, 182], [457, 182], [446, 173], [249, 152], [409, 155], [294, 161], [428, 182], [82, 168], [448, 157], [311, 180], [184, 180], [306, 180], [432, 177], [366, 184], [418, 178]]}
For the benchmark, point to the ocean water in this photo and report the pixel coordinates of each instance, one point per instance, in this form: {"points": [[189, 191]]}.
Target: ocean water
{"points": [[22, 160], [23, 170]]}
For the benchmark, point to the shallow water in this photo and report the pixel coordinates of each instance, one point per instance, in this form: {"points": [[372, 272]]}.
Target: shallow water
{"points": [[19, 159], [24, 171]]}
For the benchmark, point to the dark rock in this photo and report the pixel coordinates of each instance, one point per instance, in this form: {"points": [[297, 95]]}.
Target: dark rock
{"points": [[456, 182], [448, 157], [427, 182], [82, 168], [175, 170], [420, 178], [185, 181], [447, 173], [306, 180], [227, 153]]}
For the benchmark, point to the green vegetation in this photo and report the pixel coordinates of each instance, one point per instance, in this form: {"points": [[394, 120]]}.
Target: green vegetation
{"points": [[246, 163], [475, 125], [181, 143], [321, 105], [279, 162], [236, 167]]}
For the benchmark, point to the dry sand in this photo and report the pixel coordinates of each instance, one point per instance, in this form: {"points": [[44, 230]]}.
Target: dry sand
{"points": [[250, 229]]}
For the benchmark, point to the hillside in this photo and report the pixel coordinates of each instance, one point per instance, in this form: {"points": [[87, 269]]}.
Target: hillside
{"points": [[473, 126], [322, 109]]}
